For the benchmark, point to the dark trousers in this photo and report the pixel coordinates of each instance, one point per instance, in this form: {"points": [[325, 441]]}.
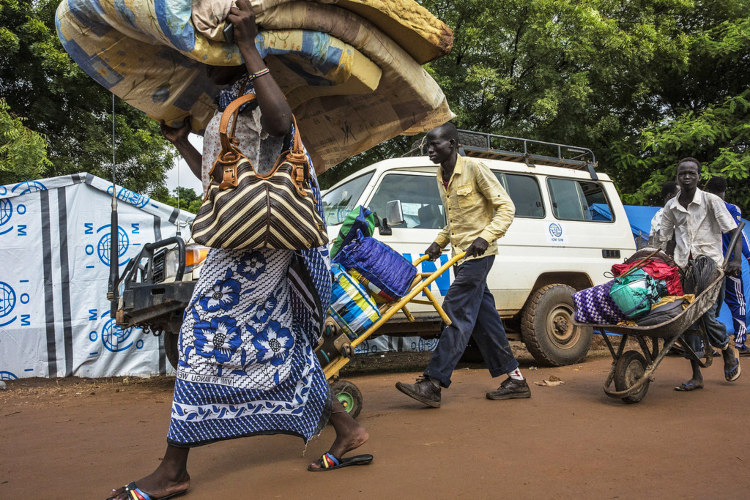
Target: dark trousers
{"points": [[471, 307], [716, 330]]}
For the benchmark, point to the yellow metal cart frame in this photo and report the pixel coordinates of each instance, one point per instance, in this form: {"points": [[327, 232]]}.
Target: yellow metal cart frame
{"points": [[347, 393]]}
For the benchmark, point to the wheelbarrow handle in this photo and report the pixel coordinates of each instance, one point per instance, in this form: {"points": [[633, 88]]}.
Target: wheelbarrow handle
{"points": [[733, 243]]}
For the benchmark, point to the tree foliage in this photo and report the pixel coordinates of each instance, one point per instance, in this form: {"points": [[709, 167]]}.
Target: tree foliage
{"points": [[43, 85], [23, 152], [182, 198], [639, 82]]}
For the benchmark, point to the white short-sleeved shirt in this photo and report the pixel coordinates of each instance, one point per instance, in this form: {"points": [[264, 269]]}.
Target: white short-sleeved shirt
{"points": [[698, 228]]}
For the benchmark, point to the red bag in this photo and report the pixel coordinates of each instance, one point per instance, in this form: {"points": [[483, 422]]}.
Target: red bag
{"points": [[657, 269]]}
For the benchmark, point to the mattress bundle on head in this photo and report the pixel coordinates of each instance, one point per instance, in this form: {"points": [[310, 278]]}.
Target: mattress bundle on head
{"points": [[350, 69]]}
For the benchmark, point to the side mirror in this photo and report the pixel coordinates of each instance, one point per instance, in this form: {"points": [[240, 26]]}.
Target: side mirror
{"points": [[394, 212]]}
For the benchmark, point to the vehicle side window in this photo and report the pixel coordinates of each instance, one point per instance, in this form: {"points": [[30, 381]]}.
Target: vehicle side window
{"points": [[338, 202], [579, 200], [525, 193], [420, 200]]}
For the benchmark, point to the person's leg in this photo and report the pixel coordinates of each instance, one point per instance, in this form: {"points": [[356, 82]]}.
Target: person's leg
{"points": [[489, 334], [349, 433], [735, 300], [492, 342], [170, 476], [461, 304]]}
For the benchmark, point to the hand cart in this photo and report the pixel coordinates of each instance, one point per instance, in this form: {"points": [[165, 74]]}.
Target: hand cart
{"points": [[631, 371], [346, 392]]}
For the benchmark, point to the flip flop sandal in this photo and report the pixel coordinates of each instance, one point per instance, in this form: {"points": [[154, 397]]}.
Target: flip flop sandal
{"points": [[135, 493], [734, 372], [329, 462], [685, 387]]}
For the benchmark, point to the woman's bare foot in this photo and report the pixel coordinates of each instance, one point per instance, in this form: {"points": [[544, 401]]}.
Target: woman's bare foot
{"points": [[169, 478], [349, 434]]}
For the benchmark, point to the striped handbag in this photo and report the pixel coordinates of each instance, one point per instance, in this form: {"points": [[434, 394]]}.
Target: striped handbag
{"points": [[247, 210]]}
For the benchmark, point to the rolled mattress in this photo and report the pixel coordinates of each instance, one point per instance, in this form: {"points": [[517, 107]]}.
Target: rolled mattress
{"points": [[350, 88]]}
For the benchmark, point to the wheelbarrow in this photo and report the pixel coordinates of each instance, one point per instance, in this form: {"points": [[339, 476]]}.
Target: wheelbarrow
{"points": [[632, 371], [340, 349]]}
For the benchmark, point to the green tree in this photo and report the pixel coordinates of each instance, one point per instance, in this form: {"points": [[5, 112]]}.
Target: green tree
{"points": [[638, 82], [23, 152], [41, 83], [188, 199]]}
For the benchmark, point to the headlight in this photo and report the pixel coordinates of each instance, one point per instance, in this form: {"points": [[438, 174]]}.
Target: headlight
{"points": [[171, 262], [194, 257]]}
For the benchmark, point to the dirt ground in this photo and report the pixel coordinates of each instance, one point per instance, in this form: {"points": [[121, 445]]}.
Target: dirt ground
{"points": [[77, 438]]}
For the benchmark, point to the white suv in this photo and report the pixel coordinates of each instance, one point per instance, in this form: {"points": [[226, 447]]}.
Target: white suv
{"points": [[569, 228]]}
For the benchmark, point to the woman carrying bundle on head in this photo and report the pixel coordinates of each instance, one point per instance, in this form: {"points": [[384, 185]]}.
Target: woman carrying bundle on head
{"points": [[247, 363]]}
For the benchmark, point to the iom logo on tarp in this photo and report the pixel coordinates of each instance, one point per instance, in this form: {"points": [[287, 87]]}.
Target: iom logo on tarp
{"points": [[6, 212], [103, 247], [114, 338], [128, 196], [7, 299], [4, 375], [28, 187]]}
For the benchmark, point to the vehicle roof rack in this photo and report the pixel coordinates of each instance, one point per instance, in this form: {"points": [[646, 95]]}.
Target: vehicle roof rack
{"points": [[501, 147]]}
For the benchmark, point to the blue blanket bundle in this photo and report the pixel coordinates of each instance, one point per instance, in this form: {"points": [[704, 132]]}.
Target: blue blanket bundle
{"points": [[384, 271]]}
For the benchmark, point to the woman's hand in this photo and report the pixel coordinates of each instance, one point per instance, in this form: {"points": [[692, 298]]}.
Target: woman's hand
{"points": [[175, 135], [242, 18]]}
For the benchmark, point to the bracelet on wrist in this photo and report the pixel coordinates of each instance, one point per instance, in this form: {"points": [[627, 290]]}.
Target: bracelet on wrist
{"points": [[260, 73]]}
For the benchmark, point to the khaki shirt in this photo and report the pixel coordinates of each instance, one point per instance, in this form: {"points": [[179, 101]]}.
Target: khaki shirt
{"points": [[698, 228], [477, 206]]}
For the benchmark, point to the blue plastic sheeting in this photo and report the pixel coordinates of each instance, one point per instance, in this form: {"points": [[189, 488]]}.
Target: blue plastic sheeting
{"points": [[640, 224]]}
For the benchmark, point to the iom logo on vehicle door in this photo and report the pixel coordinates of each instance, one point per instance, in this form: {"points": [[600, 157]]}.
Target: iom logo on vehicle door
{"points": [[556, 233]]}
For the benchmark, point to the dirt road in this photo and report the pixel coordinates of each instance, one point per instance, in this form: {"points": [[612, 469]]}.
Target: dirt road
{"points": [[569, 441]]}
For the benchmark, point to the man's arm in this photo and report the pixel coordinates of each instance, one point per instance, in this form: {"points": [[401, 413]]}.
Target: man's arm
{"points": [[505, 210], [727, 224], [666, 232]]}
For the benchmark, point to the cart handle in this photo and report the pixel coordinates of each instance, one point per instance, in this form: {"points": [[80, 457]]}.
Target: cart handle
{"points": [[732, 244], [452, 261]]}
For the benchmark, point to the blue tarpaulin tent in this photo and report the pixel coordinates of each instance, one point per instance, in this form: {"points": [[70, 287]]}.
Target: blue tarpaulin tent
{"points": [[640, 225]]}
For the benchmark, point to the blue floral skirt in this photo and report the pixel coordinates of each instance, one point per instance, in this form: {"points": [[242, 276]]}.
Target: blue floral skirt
{"points": [[246, 365]]}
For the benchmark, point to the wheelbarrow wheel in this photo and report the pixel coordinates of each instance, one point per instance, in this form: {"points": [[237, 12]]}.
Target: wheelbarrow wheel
{"points": [[629, 370], [349, 396]]}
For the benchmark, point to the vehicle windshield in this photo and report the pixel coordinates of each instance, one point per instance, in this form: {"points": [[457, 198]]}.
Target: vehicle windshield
{"points": [[338, 202]]}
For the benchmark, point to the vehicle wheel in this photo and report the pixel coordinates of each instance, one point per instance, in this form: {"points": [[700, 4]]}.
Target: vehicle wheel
{"points": [[628, 370], [170, 347], [349, 396], [548, 330]]}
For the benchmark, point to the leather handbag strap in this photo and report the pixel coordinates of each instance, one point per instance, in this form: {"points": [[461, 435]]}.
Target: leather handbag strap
{"points": [[295, 156], [231, 110]]}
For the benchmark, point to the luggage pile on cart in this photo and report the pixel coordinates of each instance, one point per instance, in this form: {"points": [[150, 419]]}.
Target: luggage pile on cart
{"points": [[653, 301], [371, 283]]}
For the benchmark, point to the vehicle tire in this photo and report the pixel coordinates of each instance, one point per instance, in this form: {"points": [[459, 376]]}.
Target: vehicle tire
{"points": [[628, 370], [170, 347], [349, 396], [547, 328]]}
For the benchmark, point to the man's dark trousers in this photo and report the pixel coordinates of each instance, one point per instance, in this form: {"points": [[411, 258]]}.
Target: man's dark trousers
{"points": [[471, 307]]}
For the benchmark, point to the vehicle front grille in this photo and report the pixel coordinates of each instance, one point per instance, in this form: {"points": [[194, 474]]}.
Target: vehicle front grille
{"points": [[158, 263]]}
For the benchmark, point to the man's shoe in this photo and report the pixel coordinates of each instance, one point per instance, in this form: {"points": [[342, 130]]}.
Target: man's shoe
{"points": [[511, 389], [742, 349], [423, 391]]}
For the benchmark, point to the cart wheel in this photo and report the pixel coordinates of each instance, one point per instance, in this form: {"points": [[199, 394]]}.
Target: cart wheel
{"points": [[628, 370], [349, 396]]}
